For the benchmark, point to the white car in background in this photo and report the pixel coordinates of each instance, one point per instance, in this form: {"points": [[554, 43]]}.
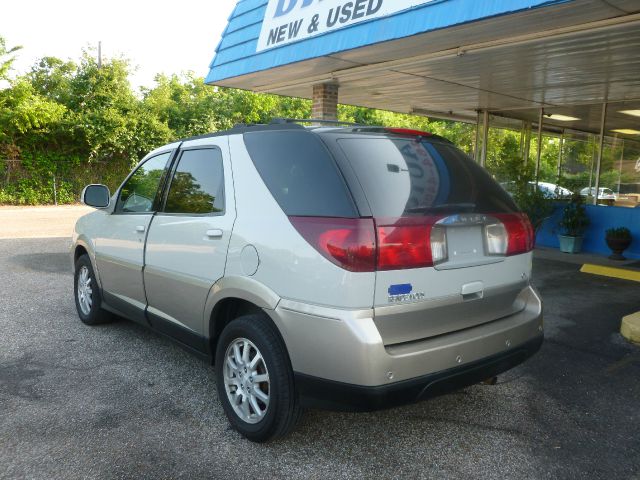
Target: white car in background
{"points": [[604, 193], [551, 190]]}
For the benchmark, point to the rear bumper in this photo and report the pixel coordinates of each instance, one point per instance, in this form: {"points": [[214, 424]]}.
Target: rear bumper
{"points": [[330, 395], [345, 346]]}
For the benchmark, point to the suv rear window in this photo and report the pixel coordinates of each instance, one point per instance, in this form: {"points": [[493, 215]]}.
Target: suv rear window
{"points": [[404, 177], [300, 173]]}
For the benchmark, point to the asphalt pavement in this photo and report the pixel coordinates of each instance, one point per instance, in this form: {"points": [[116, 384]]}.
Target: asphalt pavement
{"points": [[118, 401]]}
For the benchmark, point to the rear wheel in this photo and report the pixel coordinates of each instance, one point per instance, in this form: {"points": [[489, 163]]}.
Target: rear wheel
{"points": [[255, 380], [87, 294]]}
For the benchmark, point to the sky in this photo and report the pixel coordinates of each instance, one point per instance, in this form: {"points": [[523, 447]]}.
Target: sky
{"points": [[158, 37]]}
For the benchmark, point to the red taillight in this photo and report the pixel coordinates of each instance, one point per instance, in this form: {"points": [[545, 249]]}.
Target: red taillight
{"points": [[349, 243], [409, 243], [409, 132], [367, 245], [521, 237]]}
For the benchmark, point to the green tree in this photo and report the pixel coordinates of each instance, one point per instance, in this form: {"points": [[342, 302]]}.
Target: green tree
{"points": [[6, 58], [189, 107], [24, 111]]}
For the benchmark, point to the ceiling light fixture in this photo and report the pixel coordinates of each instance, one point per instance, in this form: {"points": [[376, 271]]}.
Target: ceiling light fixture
{"points": [[627, 131], [561, 118], [635, 113]]}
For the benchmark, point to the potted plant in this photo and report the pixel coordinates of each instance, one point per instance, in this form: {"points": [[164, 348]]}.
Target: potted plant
{"points": [[618, 240], [573, 223]]}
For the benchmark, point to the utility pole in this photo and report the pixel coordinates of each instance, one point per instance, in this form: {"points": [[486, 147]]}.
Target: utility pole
{"points": [[100, 54]]}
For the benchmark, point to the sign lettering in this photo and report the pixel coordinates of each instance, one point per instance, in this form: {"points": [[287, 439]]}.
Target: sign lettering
{"points": [[287, 21]]}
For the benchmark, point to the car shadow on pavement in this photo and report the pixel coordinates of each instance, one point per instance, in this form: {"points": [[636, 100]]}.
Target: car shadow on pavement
{"points": [[44, 262]]}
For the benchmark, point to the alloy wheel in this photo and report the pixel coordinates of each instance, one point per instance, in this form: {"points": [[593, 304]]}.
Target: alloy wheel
{"points": [[246, 380], [85, 292]]}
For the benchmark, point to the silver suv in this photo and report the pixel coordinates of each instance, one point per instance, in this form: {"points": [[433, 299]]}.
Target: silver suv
{"points": [[351, 268]]}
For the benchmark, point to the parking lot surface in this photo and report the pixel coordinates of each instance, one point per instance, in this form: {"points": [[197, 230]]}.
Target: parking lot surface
{"points": [[119, 401], [39, 222]]}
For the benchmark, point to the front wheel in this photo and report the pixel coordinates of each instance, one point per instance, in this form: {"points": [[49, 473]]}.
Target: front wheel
{"points": [[255, 380], [87, 294]]}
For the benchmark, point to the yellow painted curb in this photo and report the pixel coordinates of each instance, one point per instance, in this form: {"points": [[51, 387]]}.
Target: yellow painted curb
{"points": [[630, 328], [611, 272]]}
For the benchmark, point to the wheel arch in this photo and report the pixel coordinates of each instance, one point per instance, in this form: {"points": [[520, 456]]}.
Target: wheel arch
{"points": [[83, 246], [232, 297]]}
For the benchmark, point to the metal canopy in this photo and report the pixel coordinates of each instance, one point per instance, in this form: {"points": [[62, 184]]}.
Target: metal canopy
{"points": [[567, 58]]}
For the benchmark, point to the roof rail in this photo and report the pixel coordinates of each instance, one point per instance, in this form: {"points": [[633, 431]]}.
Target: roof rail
{"points": [[240, 128], [280, 121]]}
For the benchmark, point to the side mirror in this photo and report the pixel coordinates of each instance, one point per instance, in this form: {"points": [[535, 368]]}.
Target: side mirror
{"points": [[96, 196]]}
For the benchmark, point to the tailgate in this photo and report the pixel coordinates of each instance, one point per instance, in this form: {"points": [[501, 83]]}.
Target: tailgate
{"points": [[453, 249], [422, 303]]}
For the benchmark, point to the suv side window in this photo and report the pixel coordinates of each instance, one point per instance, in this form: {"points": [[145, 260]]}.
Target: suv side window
{"points": [[197, 186], [138, 193], [300, 173]]}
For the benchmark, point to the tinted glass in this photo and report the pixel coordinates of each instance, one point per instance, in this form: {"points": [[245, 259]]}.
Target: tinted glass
{"points": [[300, 174], [139, 192], [197, 186], [403, 177]]}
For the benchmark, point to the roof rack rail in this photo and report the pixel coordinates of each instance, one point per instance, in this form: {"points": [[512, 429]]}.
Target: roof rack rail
{"points": [[240, 128], [280, 121]]}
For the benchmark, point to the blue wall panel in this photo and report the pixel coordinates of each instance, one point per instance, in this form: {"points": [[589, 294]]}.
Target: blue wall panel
{"points": [[602, 218]]}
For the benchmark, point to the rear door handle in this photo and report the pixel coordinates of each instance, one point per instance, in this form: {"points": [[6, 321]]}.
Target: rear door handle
{"points": [[472, 291], [214, 233], [140, 229]]}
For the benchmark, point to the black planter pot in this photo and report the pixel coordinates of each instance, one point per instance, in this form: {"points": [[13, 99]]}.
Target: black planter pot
{"points": [[617, 246]]}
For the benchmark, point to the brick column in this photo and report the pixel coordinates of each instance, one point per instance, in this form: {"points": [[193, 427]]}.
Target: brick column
{"points": [[325, 101]]}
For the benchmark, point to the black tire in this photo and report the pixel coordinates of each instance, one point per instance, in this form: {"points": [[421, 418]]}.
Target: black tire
{"points": [[96, 315], [284, 410]]}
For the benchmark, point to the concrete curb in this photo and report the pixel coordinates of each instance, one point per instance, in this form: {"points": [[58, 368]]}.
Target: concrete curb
{"points": [[630, 327]]}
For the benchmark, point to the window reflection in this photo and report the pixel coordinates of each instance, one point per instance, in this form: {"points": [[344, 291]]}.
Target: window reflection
{"points": [[138, 193], [197, 185]]}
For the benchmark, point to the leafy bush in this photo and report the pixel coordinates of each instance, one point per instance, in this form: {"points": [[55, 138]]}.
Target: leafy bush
{"points": [[622, 233], [83, 124], [24, 193], [574, 219]]}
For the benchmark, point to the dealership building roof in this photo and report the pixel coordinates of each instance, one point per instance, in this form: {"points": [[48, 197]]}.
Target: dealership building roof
{"points": [[447, 58]]}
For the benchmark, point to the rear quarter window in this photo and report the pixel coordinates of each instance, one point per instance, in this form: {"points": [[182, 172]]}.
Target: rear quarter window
{"points": [[300, 173]]}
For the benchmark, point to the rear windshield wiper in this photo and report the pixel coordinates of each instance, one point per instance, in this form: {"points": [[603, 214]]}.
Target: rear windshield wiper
{"points": [[444, 207]]}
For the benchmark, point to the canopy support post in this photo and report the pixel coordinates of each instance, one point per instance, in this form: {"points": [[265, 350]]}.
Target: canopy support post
{"points": [[620, 166], [527, 143], [325, 101], [560, 155], [539, 152], [476, 151], [603, 121], [485, 137]]}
